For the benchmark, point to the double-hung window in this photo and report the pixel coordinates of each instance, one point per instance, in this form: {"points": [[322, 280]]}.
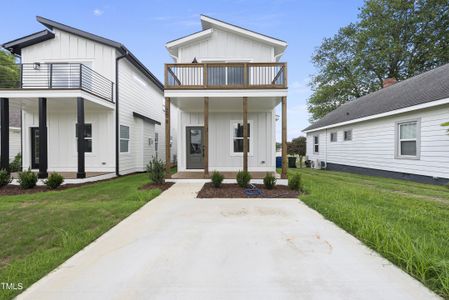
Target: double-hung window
{"points": [[347, 135], [87, 137], [408, 139], [124, 138], [237, 137], [333, 136], [316, 144]]}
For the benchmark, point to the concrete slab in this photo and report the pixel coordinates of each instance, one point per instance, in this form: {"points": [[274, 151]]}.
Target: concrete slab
{"points": [[179, 247]]}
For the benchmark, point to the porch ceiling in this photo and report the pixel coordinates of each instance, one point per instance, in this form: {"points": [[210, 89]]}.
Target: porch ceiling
{"points": [[59, 104], [226, 104]]}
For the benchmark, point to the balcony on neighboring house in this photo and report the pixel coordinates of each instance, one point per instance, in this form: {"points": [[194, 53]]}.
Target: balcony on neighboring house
{"points": [[58, 76], [226, 76]]}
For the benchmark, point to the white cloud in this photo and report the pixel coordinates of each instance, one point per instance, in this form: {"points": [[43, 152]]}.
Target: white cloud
{"points": [[98, 12]]}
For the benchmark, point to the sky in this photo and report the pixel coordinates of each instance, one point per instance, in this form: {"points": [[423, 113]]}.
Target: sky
{"points": [[145, 26]]}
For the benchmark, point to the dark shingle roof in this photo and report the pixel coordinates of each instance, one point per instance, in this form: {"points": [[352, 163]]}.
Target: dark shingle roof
{"points": [[426, 87]]}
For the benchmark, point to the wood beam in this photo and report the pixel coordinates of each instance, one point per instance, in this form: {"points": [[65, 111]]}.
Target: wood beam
{"points": [[81, 129], [167, 138], [4, 139], [43, 147], [245, 134], [206, 137], [284, 138]]}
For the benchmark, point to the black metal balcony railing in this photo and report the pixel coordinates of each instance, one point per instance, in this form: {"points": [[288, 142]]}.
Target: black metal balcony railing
{"points": [[56, 76], [226, 76]]}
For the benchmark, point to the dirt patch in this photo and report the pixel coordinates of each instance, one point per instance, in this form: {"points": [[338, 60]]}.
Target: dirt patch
{"points": [[162, 187], [232, 190]]}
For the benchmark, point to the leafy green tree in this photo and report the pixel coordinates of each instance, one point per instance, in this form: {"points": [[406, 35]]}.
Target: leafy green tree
{"points": [[297, 146], [392, 39], [9, 72]]}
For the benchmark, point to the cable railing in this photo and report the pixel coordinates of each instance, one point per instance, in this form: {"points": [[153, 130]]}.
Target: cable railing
{"points": [[56, 76], [226, 76]]}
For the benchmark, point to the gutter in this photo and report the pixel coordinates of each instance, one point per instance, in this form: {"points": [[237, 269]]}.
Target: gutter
{"points": [[117, 125]]}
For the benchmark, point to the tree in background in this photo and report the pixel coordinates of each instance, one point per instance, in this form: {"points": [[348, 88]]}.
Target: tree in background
{"points": [[392, 39], [297, 147], [9, 72]]}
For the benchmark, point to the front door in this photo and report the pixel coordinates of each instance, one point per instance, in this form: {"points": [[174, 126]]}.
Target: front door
{"points": [[35, 148], [194, 151]]}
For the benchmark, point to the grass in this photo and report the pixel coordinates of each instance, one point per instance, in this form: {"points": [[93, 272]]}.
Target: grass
{"points": [[406, 222], [40, 231]]}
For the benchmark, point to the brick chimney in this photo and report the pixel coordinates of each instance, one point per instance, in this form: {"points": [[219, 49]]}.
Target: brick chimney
{"points": [[389, 81]]}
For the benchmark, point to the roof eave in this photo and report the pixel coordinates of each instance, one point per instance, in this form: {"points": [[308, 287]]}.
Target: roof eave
{"points": [[15, 46]]}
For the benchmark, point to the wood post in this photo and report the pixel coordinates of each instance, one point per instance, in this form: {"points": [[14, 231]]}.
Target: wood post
{"points": [[4, 139], [81, 129], [245, 134], [206, 137], [167, 139], [284, 138], [43, 147]]}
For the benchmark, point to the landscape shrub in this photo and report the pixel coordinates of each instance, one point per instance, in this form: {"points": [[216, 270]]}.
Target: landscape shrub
{"points": [[16, 164], [5, 178], [54, 180], [269, 181], [243, 178], [295, 182], [27, 179], [217, 179], [156, 171]]}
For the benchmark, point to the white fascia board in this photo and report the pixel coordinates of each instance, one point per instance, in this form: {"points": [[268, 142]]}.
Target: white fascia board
{"points": [[243, 31], [385, 114], [22, 94], [187, 39], [227, 93]]}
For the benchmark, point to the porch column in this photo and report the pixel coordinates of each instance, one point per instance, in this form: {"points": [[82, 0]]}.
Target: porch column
{"points": [[43, 147], [80, 127], [167, 138], [245, 134], [284, 138], [4, 140], [206, 137]]}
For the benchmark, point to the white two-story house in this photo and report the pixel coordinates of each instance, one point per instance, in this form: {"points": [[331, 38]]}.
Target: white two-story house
{"points": [[225, 83], [89, 106]]}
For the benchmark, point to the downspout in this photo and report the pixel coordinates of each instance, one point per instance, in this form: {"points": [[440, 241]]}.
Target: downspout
{"points": [[117, 125]]}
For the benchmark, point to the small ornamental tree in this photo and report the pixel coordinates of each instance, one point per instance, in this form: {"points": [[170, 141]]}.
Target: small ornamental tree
{"points": [[298, 147]]}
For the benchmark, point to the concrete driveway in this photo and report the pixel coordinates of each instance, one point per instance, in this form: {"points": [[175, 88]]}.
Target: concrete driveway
{"points": [[179, 247]]}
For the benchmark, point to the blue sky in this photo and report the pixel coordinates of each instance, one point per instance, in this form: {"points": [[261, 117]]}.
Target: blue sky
{"points": [[145, 26]]}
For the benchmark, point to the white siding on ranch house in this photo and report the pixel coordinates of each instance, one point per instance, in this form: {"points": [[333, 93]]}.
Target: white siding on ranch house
{"points": [[138, 94], [66, 47], [223, 45], [220, 157], [373, 144]]}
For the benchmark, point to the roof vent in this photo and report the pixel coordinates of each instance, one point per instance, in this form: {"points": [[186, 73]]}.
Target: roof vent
{"points": [[389, 81]]}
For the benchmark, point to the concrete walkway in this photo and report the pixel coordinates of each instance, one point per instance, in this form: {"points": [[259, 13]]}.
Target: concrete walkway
{"points": [[179, 247]]}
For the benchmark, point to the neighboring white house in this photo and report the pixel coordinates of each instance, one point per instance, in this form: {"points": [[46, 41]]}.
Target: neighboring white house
{"points": [[394, 132], [69, 84], [223, 76]]}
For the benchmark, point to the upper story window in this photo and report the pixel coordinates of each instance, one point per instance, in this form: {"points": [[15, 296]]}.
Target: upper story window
{"points": [[333, 136], [347, 135], [408, 139], [316, 144]]}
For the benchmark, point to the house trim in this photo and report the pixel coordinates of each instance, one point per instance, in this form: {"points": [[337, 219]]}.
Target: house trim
{"points": [[16, 45], [386, 114], [147, 119], [188, 38]]}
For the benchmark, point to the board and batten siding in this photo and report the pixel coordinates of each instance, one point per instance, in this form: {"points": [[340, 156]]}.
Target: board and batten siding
{"points": [[373, 144], [62, 142], [67, 47], [262, 153], [138, 94], [225, 45]]}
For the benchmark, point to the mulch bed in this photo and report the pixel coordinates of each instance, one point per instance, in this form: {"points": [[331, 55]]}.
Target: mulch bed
{"points": [[162, 187], [232, 190], [10, 189]]}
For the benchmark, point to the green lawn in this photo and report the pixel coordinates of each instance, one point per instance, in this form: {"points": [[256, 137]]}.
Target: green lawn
{"points": [[406, 222], [40, 231]]}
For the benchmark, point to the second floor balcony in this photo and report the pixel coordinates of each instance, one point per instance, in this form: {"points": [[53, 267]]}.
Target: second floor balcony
{"points": [[57, 76], [226, 76]]}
